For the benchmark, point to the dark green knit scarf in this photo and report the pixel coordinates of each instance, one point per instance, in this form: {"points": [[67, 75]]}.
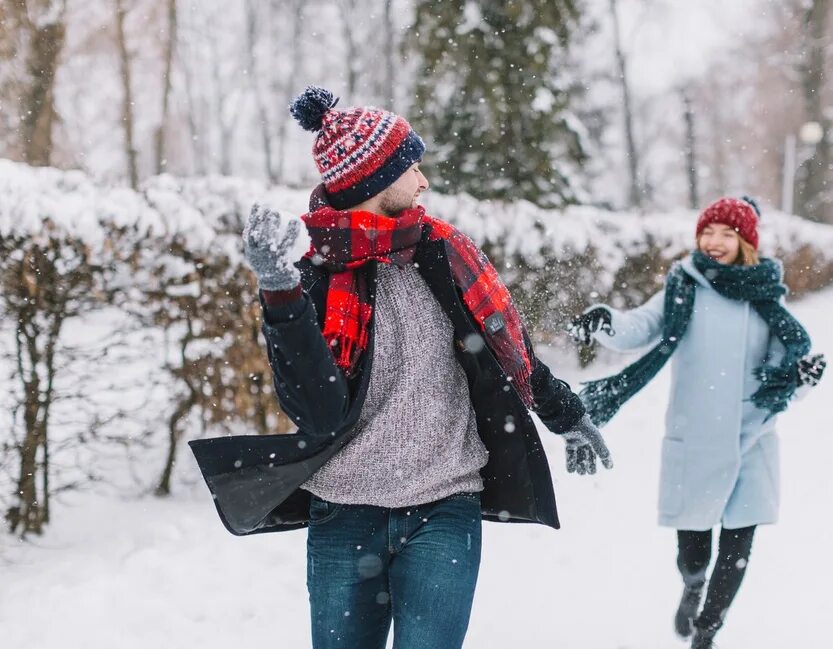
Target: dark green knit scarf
{"points": [[761, 286]]}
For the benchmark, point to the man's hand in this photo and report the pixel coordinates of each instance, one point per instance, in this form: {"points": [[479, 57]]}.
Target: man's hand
{"points": [[267, 249], [584, 443], [585, 325], [811, 369]]}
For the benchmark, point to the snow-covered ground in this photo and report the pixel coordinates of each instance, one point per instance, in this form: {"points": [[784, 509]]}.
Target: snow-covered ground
{"points": [[149, 573]]}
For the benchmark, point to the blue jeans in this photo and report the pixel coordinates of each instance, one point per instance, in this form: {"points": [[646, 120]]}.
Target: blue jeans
{"points": [[415, 566]]}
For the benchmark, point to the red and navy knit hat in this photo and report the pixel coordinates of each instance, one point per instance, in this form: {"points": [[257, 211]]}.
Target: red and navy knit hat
{"points": [[741, 214], [359, 151]]}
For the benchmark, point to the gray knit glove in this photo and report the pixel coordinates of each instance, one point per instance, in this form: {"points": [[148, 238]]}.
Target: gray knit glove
{"points": [[584, 443], [268, 249]]}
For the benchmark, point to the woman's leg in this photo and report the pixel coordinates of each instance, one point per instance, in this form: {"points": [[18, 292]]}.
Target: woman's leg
{"points": [[732, 559], [694, 554]]}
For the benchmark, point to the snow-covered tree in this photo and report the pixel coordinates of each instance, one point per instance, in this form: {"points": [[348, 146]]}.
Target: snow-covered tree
{"points": [[493, 98]]}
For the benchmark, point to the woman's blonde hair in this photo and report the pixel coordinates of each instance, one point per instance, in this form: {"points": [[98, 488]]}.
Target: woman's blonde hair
{"points": [[747, 254]]}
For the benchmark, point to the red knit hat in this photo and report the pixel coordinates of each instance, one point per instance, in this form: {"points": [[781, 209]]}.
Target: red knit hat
{"points": [[734, 212], [358, 151]]}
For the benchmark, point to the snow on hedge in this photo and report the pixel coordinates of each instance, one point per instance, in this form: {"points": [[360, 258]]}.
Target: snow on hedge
{"points": [[208, 213], [199, 212], [521, 228]]}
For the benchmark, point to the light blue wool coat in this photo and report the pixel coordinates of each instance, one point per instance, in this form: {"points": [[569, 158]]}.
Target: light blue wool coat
{"points": [[720, 460]]}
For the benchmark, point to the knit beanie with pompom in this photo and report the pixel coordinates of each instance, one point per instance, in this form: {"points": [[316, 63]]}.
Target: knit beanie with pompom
{"points": [[741, 214], [358, 151]]}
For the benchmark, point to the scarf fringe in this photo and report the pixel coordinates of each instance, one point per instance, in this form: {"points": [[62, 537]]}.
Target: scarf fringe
{"points": [[603, 398], [778, 385], [520, 370], [342, 348]]}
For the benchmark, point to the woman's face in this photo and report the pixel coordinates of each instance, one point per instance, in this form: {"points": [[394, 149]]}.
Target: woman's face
{"points": [[720, 242]]}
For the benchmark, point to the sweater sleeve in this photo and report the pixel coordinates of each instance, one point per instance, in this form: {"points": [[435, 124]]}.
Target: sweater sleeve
{"points": [[636, 328]]}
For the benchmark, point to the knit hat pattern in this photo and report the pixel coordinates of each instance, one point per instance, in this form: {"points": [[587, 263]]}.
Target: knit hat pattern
{"points": [[738, 214], [359, 151]]}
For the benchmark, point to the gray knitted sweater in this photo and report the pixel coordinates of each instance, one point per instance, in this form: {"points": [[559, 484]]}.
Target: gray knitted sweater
{"points": [[417, 440]]}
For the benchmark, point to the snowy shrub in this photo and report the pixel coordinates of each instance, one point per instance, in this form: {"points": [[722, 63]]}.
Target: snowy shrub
{"points": [[558, 262], [192, 283], [131, 322], [132, 316], [51, 275]]}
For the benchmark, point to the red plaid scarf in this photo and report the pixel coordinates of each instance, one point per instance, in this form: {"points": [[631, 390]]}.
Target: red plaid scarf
{"points": [[344, 241]]}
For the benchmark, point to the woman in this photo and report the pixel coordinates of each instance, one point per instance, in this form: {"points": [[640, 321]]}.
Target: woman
{"points": [[738, 357]]}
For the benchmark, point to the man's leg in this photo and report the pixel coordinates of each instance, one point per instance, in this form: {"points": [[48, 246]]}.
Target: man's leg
{"points": [[347, 576], [433, 572], [732, 557]]}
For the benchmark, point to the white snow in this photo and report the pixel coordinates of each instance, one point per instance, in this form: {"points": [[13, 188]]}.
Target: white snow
{"points": [[138, 573], [207, 215]]}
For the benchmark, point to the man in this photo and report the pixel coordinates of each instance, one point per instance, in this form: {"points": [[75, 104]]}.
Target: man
{"points": [[399, 354]]}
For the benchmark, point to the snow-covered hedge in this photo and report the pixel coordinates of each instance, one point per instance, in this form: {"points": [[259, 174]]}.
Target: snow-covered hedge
{"points": [[168, 261], [557, 262], [205, 214], [128, 322]]}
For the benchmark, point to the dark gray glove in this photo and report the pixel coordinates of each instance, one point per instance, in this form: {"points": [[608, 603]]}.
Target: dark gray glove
{"points": [[267, 248], [584, 443], [585, 325], [811, 369]]}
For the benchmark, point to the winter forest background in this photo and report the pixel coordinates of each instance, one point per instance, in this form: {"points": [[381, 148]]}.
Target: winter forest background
{"points": [[573, 139]]}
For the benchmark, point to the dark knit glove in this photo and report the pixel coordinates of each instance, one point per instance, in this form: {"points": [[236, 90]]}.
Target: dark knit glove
{"points": [[584, 443], [585, 325], [811, 369], [268, 248]]}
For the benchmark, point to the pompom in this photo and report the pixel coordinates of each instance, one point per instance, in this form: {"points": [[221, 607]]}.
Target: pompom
{"points": [[753, 203], [310, 107]]}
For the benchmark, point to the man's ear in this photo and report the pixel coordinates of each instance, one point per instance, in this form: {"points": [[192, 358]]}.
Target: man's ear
{"points": [[318, 198]]}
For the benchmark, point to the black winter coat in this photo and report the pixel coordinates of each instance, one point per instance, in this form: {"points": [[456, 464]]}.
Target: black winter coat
{"points": [[255, 479]]}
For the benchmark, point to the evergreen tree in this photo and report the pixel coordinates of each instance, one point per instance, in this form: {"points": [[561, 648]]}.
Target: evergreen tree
{"points": [[492, 100]]}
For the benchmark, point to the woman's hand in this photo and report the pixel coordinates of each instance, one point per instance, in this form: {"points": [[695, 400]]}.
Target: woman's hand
{"points": [[811, 369], [585, 325]]}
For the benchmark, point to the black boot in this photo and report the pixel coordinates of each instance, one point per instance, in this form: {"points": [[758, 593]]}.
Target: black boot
{"points": [[704, 633], [702, 640], [687, 610]]}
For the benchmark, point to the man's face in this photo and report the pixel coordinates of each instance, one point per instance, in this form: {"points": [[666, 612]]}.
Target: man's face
{"points": [[403, 193]]}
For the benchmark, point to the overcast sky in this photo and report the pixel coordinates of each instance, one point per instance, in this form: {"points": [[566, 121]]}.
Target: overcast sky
{"points": [[666, 40]]}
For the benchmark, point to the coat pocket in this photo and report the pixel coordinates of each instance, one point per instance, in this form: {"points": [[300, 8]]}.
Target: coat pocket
{"points": [[672, 476]]}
